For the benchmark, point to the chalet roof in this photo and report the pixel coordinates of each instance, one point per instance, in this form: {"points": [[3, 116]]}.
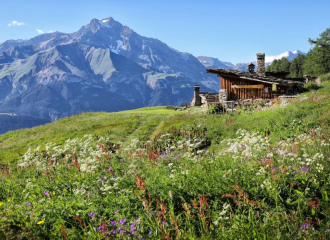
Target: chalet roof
{"points": [[208, 93], [253, 76]]}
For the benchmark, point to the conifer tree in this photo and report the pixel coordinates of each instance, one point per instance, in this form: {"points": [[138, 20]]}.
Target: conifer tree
{"points": [[296, 66], [284, 65], [318, 58]]}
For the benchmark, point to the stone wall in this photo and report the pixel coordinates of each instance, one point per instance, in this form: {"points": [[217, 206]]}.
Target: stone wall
{"points": [[223, 95], [312, 79]]}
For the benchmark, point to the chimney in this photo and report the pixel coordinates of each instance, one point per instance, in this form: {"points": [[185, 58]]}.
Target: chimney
{"points": [[261, 64], [198, 100], [251, 67]]}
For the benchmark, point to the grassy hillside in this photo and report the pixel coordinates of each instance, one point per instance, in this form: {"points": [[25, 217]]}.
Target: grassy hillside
{"points": [[159, 173], [117, 126]]}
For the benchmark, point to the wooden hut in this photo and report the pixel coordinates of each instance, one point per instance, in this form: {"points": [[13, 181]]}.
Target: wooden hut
{"points": [[236, 84]]}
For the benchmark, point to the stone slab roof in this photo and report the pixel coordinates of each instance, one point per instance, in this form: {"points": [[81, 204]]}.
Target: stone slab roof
{"points": [[254, 76]]}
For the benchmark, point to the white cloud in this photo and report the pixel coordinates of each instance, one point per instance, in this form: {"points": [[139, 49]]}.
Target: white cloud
{"points": [[16, 23], [42, 32]]}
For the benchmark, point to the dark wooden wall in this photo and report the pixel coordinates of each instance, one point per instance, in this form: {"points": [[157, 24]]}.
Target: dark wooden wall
{"points": [[248, 93]]}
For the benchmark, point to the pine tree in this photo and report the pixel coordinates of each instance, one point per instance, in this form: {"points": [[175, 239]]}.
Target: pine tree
{"points": [[296, 66], [318, 58], [281, 65], [284, 65]]}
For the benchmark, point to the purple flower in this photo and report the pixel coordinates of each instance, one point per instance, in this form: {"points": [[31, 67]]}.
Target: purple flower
{"points": [[28, 203], [117, 210], [137, 219], [328, 230], [122, 231], [121, 221], [304, 169], [133, 225], [113, 232], [150, 232], [275, 168], [133, 231], [113, 222], [294, 172], [163, 222], [304, 225], [91, 214], [45, 192], [99, 227], [163, 155]]}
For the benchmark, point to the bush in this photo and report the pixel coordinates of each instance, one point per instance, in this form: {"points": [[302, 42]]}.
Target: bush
{"points": [[216, 108], [171, 107], [325, 77], [311, 86]]}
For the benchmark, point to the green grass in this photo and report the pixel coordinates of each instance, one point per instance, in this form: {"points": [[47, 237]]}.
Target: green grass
{"points": [[269, 180], [121, 126]]}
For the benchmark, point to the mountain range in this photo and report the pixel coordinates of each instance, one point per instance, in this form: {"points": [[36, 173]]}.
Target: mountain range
{"points": [[210, 62], [104, 66]]}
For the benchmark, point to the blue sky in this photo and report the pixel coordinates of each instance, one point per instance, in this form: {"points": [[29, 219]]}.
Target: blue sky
{"points": [[229, 30]]}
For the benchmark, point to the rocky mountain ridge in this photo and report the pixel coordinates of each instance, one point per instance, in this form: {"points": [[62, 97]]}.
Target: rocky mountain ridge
{"points": [[104, 66]]}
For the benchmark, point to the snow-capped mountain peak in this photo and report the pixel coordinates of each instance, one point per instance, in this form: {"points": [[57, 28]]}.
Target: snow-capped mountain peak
{"points": [[290, 55], [210, 62]]}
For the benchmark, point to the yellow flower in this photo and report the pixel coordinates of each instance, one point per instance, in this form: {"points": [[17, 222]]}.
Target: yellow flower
{"points": [[40, 222], [8, 200], [53, 192], [1, 204]]}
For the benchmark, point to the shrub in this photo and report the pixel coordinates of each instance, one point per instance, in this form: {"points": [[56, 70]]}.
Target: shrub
{"points": [[311, 86], [216, 108], [171, 107], [325, 77]]}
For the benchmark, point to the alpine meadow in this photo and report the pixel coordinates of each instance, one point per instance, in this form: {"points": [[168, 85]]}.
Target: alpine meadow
{"points": [[123, 154]]}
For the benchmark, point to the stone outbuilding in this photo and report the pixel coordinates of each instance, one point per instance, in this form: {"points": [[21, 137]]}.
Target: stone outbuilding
{"points": [[203, 98]]}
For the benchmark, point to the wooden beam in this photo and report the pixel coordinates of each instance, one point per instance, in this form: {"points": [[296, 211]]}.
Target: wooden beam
{"points": [[247, 86]]}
